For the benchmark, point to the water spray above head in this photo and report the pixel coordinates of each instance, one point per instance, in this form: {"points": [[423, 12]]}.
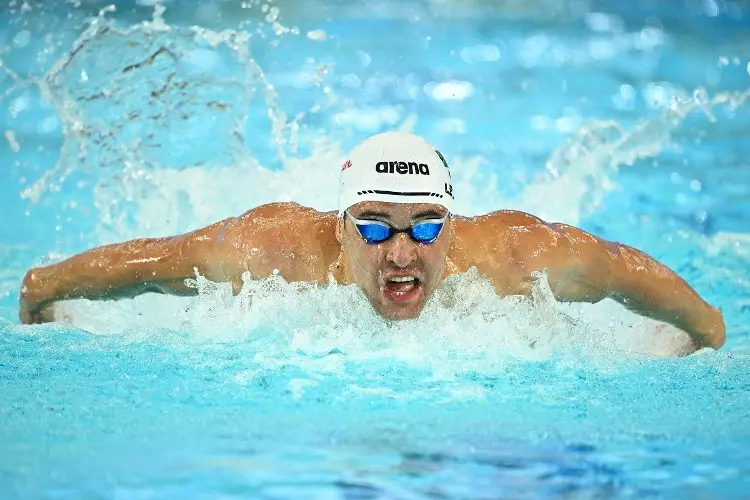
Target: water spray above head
{"points": [[396, 167]]}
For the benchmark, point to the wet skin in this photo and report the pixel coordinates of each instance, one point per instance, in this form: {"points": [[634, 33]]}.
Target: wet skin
{"points": [[304, 245]]}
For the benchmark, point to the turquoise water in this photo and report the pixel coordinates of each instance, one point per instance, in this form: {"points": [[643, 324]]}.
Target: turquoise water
{"points": [[629, 121]]}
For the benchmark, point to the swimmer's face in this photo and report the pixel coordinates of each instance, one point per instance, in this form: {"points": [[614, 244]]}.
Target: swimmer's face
{"points": [[397, 275]]}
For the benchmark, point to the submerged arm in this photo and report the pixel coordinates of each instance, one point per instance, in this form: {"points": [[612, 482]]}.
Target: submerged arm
{"points": [[125, 270], [589, 269]]}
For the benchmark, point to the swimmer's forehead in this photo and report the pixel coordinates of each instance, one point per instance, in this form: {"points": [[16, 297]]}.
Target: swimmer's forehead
{"points": [[389, 210]]}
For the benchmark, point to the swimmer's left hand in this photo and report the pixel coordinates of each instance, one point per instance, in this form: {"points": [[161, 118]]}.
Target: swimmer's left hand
{"points": [[34, 306], [34, 317]]}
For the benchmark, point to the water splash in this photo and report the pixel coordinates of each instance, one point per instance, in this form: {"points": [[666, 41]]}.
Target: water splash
{"points": [[465, 324], [140, 120], [143, 109], [583, 166]]}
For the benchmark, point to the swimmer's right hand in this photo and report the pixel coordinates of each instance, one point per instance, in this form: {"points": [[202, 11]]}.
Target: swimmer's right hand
{"points": [[34, 307]]}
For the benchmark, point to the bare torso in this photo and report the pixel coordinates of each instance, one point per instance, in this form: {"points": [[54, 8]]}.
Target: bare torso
{"points": [[299, 244]]}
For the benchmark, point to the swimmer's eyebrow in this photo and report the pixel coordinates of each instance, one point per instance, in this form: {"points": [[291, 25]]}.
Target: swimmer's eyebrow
{"points": [[373, 214], [429, 214]]}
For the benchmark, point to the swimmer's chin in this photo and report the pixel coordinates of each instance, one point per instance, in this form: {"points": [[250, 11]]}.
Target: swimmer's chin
{"points": [[400, 315], [396, 312]]}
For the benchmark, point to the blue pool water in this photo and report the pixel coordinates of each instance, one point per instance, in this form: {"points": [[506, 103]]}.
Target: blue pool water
{"points": [[629, 120]]}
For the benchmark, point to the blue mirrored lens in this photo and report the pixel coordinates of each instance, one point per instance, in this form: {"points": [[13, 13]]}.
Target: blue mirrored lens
{"points": [[426, 231], [373, 233]]}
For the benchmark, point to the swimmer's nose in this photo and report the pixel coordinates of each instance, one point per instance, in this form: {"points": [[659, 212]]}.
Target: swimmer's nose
{"points": [[402, 251]]}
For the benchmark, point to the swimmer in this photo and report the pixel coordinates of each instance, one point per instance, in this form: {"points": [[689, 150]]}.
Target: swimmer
{"points": [[396, 237]]}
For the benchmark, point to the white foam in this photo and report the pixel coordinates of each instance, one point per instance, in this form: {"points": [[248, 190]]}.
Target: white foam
{"points": [[465, 327]]}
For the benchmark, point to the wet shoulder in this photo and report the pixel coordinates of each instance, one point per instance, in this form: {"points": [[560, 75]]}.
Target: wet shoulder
{"points": [[498, 237], [288, 224], [512, 218], [498, 224], [287, 238], [280, 213], [505, 246]]}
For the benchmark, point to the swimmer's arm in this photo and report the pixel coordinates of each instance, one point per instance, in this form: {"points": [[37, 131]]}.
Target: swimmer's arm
{"points": [[590, 269], [125, 270]]}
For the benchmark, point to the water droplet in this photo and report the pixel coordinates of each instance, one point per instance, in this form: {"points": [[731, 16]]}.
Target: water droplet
{"points": [[627, 92], [317, 35], [22, 39], [15, 146], [700, 97], [364, 58], [674, 103], [273, 14], [710, 8], [748, 68]]}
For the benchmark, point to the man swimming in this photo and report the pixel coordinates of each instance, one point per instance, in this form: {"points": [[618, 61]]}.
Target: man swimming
{"points": [[395, 237]]}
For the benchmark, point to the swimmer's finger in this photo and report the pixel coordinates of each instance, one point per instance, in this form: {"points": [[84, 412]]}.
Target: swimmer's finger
{"points": [[47, 313], [44, 315], [28, 311], [24, 316]]}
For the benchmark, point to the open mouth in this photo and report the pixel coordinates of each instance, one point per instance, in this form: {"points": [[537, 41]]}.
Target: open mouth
{"points": [[402, 288]]}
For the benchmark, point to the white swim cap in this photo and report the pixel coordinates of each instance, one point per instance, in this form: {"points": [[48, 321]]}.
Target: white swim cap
{"points": [[395, 167]]}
